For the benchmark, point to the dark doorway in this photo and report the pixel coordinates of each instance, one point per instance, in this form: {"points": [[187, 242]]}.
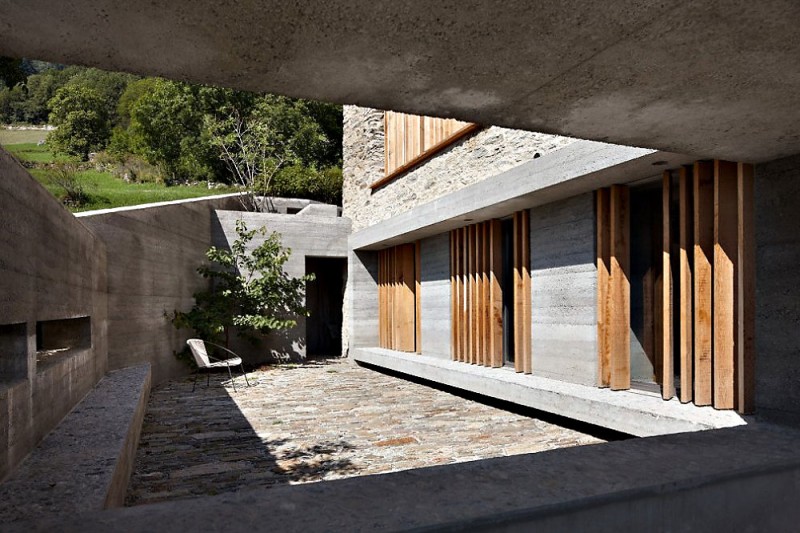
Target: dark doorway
{"points": [[324, 300]]}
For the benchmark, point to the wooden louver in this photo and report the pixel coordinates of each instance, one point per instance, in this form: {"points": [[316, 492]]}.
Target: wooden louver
{"points": [[713, 337], [398, 298], [410, 139], [476, 281]]}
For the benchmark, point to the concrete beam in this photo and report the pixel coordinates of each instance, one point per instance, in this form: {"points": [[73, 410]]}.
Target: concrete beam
{"points": [[578, 168], [712, 79]]}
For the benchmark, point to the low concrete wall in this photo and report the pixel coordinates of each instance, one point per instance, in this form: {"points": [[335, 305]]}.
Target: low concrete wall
{"points": [[153, 254], [307, 235], [51, 268], [86, 462]]}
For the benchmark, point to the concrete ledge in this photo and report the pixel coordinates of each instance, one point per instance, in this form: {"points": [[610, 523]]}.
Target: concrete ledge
{"points": [[737, 479], [86, 462], [633, 412], [579, 167], [139, 207]]}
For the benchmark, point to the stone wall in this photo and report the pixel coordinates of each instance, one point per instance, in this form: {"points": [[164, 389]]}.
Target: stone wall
{"points": [[52, 268], [482, 155]]}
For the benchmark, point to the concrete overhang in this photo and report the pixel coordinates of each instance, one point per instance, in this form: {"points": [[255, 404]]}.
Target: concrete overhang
{"points": [[579, 167], [711, 79]]}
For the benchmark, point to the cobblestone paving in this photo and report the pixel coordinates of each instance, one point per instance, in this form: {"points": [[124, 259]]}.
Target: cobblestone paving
{"points": [[319, 421]]}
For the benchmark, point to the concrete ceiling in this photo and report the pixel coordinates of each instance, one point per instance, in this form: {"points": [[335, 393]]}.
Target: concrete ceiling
{"points": [[710, 79]]}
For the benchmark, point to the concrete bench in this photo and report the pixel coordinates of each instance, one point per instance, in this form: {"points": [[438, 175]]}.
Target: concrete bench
{"points": [[85, 463]]}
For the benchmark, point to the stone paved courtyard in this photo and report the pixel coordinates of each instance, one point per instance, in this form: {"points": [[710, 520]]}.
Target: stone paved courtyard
{"points": [[319, 421]]}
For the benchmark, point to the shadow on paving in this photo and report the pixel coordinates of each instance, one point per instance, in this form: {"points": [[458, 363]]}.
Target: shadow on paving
{"points": [[211, 448]]}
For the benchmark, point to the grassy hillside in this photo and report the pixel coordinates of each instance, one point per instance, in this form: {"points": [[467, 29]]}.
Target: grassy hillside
{"points": [[21, 136], [104, 189]]}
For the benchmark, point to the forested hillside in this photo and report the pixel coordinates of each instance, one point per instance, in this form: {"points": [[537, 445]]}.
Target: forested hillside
{"points": [[152, 130]]}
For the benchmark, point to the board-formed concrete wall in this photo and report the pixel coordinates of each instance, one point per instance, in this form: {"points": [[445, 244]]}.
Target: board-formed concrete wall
{"points": [[480, 156], [777, 207], [153, 254], [51, 268], [320, 234], [435, 295], [564, 290]]}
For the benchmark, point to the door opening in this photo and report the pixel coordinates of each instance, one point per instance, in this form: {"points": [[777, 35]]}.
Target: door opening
{"points": [[324, 300]]}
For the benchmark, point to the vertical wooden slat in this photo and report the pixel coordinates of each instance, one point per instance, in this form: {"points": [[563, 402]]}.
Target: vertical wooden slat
{"points": [[703, 279], [474, 327], [407, 300], [685, 274], [745, 312], [453, 298], [471, 294], [619, 290], [517, 259], [725, 259], [417, 297], [603, 278], [487, 311], [525, 268], [465, 303], [381, 318], [480, 308], [496, 293], [667, 369]]}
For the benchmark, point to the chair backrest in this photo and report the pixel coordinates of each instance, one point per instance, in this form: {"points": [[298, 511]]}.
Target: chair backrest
{"points": [[198, 348]]}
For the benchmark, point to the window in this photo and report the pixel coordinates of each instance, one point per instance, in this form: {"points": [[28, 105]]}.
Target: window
{"points": [[55, 338], [491, 293], [683, 281], [398, 298]]}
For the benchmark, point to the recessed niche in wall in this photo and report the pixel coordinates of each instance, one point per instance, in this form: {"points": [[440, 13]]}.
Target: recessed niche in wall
{"points": [[55, 338], [13, 352]]}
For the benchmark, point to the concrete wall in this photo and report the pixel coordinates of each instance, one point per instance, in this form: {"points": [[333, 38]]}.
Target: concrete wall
{"points": [[435, 295], [361, 302], [564, 290], [778, 289], [307, 235], [51, 268], [153, 253]]}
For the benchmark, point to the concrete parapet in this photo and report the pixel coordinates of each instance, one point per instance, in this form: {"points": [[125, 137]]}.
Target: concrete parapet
{"points": [[86, 462]]}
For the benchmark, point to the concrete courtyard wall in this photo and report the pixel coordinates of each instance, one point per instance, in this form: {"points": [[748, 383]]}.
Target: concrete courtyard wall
{"points": [[51, 268], [320, 234], [153, 253]]}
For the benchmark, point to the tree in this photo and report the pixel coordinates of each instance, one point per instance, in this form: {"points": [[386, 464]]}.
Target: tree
{"points": [[81, 121], [249, 291], [12, 72], [252, 152]]}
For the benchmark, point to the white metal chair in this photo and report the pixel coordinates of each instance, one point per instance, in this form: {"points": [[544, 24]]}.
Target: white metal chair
{"points": [[205, 361]]}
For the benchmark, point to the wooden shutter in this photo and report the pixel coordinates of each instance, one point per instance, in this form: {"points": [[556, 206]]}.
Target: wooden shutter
{"points": [[398, 298]]}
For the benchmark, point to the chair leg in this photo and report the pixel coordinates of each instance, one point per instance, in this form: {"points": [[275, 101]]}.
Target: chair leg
{"points": [[194, 384], [241, 367], [208, 378], [231, 376]]}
